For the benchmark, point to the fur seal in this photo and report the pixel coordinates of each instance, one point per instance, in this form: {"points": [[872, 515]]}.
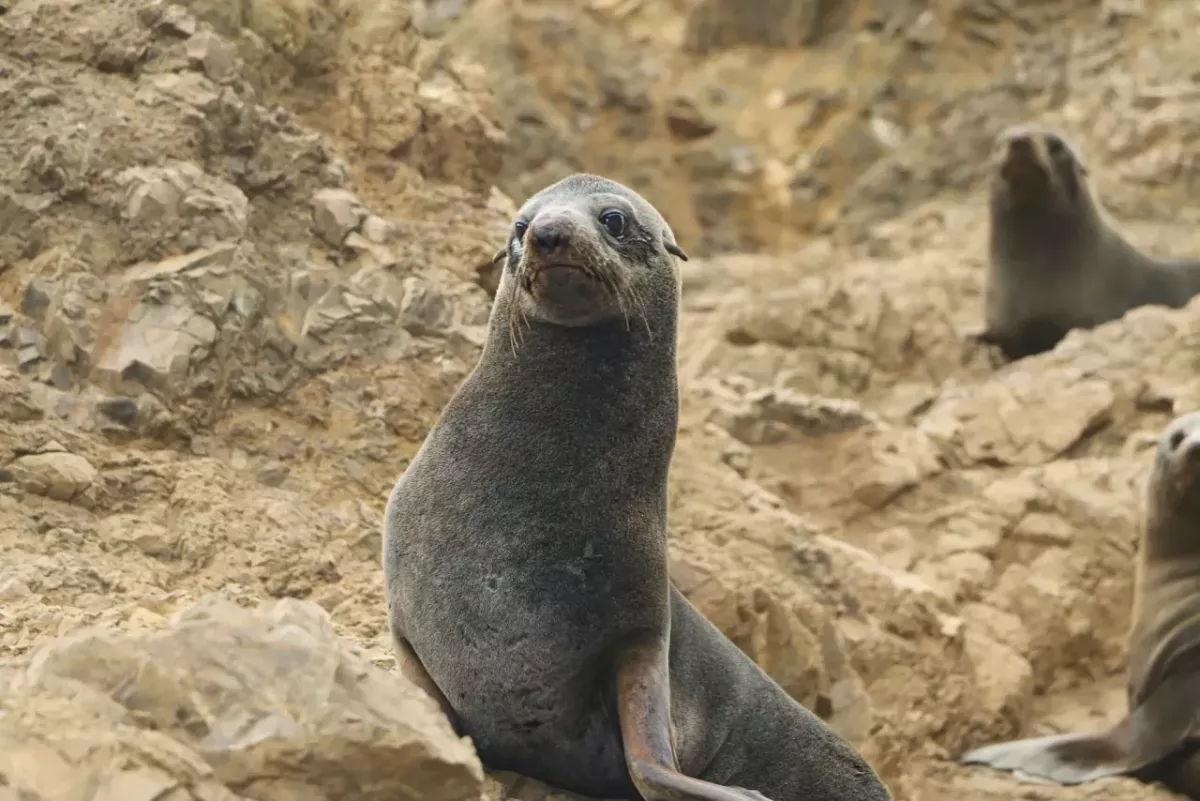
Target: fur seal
{"points": [[1056, 258], [525, 546], [1159, 737]]}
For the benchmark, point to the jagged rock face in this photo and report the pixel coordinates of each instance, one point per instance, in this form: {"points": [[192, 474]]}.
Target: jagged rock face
{"points": [[245, 257], [286, 709], [754, 126]]}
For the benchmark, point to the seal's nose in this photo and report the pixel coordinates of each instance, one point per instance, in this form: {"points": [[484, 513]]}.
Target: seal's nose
{"points": [[549, 235], [1020, 145], [1184, 445]]}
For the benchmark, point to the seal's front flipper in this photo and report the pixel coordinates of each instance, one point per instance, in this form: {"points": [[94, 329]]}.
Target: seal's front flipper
{"points": [[413, 669], [1061, 758], [1158, 728], [644, 709]]}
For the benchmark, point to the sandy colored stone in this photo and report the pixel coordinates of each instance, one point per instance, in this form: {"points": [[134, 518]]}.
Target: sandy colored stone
{"points": [[61, 476], [183, 718], [336, 213]]}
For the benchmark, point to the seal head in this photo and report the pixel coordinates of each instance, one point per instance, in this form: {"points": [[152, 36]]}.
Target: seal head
{"points": [[585, 250], [1040, 198], [1175, 487], [1036, 167]]}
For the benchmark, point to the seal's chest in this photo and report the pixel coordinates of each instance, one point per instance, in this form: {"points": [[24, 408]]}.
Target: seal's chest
{"points": [[570, 738]]}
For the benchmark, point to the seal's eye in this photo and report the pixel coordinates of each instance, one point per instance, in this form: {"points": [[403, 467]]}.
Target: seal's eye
{"points": [[1055, 146], [614, 222], [520, 226]]}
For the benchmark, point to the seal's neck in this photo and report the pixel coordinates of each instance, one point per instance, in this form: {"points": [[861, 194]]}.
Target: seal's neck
{"points": [[605, 354], [616, 374], [1038, 232], [1165, 603]]}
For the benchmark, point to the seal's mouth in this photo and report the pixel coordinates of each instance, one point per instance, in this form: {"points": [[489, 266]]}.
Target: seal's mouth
{"points": [[1024, 174], [555, 272], [555, 266], [1183, 476], [1183, 493], [1187, 474]]}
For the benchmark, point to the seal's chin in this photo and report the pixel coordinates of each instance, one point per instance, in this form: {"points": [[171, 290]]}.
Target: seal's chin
{"points": [[1186, 485], [566, 294]]}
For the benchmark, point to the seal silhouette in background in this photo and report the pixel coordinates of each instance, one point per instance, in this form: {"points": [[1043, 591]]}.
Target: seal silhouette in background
{"points": [[1056, 259], [525, 546], [1158, 738]]}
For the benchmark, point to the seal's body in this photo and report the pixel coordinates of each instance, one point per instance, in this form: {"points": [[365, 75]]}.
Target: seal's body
{"points": [[1158, 739], [525, 545], [1056, 261]]}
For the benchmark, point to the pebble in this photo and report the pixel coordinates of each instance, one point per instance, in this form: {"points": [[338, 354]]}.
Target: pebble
{"points": [[273, 474], [214, 55], [335, 213], [44, 96]]}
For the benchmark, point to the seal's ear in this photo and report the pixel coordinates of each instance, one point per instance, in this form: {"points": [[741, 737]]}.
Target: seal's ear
{"points": [[669, 242], [500, 254]]}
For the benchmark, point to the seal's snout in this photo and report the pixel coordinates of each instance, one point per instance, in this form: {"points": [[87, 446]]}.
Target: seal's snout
{"points": [[1022, 163], [550, 234], [1184, 445], [1020, 152], [1180, 455], [558, 271], [1020, 145]]}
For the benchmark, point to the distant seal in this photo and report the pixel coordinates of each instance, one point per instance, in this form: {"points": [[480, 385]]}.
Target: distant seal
{"points": [[525, 546], [1056, 259], [1159, 739]]}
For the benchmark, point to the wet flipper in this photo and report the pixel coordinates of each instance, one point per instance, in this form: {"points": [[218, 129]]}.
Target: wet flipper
{"points": [[644, 710], [1061, 758], [1160, 727]]}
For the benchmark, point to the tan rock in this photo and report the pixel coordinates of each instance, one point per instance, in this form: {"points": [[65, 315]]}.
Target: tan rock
{"points": [[209, 52], [61, 476], [189, 87], [994, 424], [158, 344], [16, 401], [335, 213], [185, 719]]}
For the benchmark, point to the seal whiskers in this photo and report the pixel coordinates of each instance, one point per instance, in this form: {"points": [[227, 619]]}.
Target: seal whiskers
{"points": [[631, 289], [515, 321]]}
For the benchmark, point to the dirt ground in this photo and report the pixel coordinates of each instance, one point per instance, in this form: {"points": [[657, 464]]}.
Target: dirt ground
{"points": [[244, 262]]}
